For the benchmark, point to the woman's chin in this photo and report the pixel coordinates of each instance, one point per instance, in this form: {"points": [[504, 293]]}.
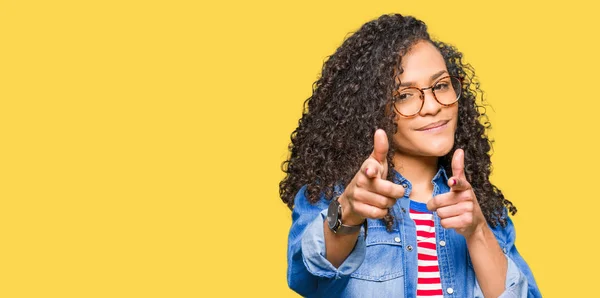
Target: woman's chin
{"points": [[438, 150], [437, 146]]}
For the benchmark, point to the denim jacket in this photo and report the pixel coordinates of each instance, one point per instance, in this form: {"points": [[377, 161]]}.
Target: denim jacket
{"points": [[384, 264]]}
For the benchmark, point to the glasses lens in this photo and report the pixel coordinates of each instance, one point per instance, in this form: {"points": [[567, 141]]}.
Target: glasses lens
{"points": [[447, 90], [408, 101]]}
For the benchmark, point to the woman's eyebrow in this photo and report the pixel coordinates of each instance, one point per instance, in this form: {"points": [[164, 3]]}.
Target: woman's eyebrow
{"points": [[433, 77]]}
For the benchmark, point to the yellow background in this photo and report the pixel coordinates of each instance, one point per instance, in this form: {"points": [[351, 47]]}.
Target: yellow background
{"points": [[141, 141]]}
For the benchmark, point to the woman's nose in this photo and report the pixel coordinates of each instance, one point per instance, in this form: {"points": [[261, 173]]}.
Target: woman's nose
{"points": [[430, 105]]}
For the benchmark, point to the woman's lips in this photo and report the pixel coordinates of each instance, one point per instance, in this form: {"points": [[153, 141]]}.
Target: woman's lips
{"points": [[434, 127]]}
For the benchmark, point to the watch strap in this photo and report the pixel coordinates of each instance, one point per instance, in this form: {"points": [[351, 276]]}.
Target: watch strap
{"points": [[341, 228], [346, 229]]}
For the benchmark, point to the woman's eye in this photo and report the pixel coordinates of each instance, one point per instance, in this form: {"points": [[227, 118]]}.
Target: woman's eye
{"points": [[404, 96], [441, 86]]}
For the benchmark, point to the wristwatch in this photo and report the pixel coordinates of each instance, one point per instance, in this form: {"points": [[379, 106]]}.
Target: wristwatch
{"points": [[334, 219]]}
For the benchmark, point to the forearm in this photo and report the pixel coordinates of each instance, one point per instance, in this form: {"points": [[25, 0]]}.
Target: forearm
{"points": [[309, 271], [338, 247], [489, 262]]}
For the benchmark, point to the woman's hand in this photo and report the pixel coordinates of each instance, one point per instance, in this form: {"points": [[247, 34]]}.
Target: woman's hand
{"points": [[369, 194], [459, 209]]}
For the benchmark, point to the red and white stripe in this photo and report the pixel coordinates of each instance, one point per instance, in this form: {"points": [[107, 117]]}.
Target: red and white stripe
{"points": [[429, 283]]}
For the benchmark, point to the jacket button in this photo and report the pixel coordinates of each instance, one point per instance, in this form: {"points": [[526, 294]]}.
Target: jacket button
{"points": [[450, 290], [442, 243], [397, 239], [409, 248]]}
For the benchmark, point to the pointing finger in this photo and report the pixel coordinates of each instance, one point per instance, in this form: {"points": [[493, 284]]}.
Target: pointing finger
{"points": [[371, 168], [458, 184]]}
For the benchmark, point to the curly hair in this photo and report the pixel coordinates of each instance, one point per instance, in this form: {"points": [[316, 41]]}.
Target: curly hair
{"points": [[350, 101]]}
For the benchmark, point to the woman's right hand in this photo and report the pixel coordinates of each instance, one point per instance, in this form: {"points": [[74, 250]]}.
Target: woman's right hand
{"points": [[369, 194]]}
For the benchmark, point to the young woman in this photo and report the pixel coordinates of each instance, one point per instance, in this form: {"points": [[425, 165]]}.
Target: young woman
{"points": [[388, 177]]}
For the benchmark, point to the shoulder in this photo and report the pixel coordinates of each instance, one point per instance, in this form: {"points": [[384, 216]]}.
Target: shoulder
{"points": [[504, 234]]}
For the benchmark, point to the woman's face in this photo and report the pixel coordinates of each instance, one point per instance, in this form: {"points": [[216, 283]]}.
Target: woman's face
{"points": [[423, 65]]}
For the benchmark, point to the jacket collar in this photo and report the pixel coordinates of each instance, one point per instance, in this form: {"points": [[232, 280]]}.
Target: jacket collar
{"points": [[440, 178]]}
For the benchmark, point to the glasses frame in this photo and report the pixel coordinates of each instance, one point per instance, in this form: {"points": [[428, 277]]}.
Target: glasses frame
{"points": [[422, 90]]}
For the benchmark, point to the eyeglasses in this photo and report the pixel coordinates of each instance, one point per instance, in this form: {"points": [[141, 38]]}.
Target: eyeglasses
{"points": [[409, 101]]}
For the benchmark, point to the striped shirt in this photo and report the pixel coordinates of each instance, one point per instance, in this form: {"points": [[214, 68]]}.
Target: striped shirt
{"points": [[429, 283]]}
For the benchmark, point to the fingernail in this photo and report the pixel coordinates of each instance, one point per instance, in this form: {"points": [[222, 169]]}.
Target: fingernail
{"points": [[453, 182], [367, 171]]}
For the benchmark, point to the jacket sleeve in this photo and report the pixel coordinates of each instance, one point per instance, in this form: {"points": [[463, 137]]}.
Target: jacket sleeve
{"points": [[309, 273], [519, 278]]}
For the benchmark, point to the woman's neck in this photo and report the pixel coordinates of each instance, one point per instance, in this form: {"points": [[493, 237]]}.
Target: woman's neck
{"points": [[419, 170]]}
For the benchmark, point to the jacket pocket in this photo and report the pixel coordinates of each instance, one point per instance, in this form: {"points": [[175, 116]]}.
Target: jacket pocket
{"points": [[383, 259]]}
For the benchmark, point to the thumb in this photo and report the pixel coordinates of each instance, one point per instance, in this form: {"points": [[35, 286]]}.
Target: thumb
{"points": [[458, 164], [380, 146]]}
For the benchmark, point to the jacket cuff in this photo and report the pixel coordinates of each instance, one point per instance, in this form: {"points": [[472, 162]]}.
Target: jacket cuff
{"points": [[313, 252], [516, 282]]}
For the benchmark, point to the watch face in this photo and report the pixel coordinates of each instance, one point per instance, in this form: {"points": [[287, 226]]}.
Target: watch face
{"points": [[332, 214]]}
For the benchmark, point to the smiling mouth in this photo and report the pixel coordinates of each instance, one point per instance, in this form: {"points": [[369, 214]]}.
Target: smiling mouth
{"points": [[434, 125]]}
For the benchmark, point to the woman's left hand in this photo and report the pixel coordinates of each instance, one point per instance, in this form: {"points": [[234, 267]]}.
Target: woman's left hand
{"points": [[459, 209]]}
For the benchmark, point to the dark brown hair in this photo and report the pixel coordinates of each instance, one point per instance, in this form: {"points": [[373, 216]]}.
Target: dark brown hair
{"points": [[348, 103]]}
